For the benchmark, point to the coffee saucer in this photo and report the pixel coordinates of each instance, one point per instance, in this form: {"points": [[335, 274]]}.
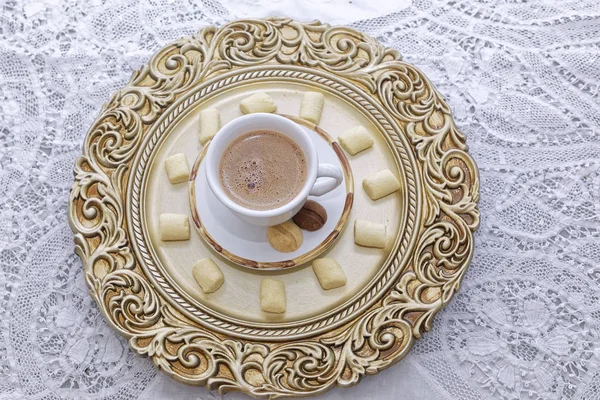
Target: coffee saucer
{"points": [[245, 244]]}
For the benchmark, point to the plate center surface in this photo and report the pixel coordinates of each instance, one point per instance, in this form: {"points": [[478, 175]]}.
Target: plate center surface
{"points": [[239, 296]]}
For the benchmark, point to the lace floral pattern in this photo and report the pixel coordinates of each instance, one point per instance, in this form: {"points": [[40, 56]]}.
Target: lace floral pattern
{"points": [[529, 341], [522, 80]]}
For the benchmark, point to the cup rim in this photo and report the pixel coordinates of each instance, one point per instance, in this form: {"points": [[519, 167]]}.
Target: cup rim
{"points": [[212, 175]]}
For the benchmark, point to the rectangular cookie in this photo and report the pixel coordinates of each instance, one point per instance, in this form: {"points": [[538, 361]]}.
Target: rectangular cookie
{"points": [[381, 184], [369, 234], [355, 140], [178, 169], [258, 103], [208, 275], [312, 106], [329, 273], [174, 227], [210, 123], [272, 296]]}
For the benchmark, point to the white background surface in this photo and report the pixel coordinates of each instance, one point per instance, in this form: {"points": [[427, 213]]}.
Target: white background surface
{"points": [[522, 79]]}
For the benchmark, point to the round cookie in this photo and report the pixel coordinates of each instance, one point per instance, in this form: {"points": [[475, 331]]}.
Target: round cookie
{"points": [[311, 217], [286, 237]]}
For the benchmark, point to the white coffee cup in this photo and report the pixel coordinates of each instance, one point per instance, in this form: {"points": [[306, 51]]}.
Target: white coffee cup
{"points": [[320, 178]]}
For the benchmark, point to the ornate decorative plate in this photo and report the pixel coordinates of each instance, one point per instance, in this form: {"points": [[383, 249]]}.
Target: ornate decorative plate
{"points": [[144, 287]]}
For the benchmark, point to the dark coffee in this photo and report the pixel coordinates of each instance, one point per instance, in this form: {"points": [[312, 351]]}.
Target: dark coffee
{"points": [[262, 170]]}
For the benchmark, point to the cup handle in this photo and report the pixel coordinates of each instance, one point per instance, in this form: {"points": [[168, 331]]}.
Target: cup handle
{"points": [[328, 178]]}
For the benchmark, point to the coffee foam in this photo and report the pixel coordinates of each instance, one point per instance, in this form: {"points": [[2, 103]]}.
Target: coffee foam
{"points": [[262, 170]]}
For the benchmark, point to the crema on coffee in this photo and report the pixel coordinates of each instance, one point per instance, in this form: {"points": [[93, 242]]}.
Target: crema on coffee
{"points": [[262, 170]]}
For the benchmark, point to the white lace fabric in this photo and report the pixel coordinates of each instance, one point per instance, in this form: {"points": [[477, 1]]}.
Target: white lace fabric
{"points": [[522, 79]]}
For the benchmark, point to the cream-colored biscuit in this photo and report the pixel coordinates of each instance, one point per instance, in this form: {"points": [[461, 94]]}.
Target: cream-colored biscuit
{"points": [[329, 273], [258, 103], [272, 296], [355, 140], [312, 106], [178, 169], [285, 237], [381, 184], [210, 123], [174, 227], [208, 275], [369, 234]]}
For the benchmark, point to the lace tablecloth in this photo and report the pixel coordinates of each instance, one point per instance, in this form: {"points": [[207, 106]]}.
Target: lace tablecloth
{"points": [[522, 78]]}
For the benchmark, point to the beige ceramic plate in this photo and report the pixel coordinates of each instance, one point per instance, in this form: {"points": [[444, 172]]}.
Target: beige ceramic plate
{"points": [[145, 287]]}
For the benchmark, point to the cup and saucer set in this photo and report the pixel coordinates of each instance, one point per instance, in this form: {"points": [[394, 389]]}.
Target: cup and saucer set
{"points": [[240, 234]]}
